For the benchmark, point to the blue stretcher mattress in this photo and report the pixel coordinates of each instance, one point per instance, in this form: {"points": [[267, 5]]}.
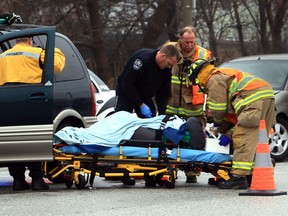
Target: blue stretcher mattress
{"points": [[188, 155]]}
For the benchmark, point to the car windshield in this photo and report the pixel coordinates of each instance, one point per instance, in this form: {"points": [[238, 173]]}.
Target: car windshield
{"points": [[275, 72]]}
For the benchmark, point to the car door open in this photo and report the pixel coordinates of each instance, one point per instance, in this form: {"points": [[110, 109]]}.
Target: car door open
{"points": [[26, 118]]}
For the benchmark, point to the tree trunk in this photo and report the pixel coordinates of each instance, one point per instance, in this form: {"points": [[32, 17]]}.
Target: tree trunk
{"points": [[209, 21], [263, 28], [276, 23], [104, 71], [239, 29]]}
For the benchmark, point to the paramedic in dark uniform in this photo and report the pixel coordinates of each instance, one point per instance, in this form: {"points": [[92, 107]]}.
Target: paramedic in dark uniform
{"points": [[146, 75], [21, 64]]}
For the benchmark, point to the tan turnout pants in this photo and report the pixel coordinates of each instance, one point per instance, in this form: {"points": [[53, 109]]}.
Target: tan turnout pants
{"points": [[245, 135]]}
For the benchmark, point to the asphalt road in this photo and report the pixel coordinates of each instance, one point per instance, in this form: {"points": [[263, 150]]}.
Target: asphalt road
{"points": [[112, 198]]}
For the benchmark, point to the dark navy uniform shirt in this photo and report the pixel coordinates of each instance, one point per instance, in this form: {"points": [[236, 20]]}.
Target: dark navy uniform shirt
{"points": [[142, 78]]}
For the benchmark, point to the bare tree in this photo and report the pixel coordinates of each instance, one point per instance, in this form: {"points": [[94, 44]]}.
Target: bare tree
{"points": [[276, 12], [208, 10], [263, 27], [272, 19], [161, 20], [99, 51], [107, 32], [239, 29]]}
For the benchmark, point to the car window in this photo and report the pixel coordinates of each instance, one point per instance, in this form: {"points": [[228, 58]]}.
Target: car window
{"points": [[275, 72], [99, 82], [74, 69]]}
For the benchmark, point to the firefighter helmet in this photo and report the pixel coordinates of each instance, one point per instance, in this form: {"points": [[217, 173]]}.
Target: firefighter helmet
{"points": [[196, 67]]}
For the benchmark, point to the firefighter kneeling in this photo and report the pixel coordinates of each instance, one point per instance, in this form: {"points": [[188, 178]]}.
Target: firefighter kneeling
{"points": [[249, 100]]}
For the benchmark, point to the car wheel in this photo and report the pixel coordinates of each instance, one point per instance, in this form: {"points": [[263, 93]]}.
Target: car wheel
{"points": [[278, 141]]}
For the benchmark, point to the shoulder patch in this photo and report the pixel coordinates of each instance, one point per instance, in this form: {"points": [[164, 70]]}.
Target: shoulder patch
{"points": [[137, 64]]}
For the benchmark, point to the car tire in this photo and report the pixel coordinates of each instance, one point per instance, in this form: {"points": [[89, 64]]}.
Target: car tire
{"points": [[278, 141]]}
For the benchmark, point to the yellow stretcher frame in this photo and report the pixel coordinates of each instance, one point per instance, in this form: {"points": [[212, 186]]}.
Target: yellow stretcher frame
{"points": [[72, 168]]}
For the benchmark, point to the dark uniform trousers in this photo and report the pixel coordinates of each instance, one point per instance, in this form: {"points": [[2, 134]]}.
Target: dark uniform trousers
{"points": [[17, 170]]}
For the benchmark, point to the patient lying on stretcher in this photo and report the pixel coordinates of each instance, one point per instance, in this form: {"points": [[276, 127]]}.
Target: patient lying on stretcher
{"points": [[124, 125], [104, 139], [105, 136]]}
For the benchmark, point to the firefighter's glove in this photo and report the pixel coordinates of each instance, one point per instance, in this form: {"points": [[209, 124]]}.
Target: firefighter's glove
{"points": [[145, 110], [224, 140]]}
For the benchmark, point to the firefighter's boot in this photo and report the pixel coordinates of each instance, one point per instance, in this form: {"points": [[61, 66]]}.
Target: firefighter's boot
{"points": [[239, 182]]}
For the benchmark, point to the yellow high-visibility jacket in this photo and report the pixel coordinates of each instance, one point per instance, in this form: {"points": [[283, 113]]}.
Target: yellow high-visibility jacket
{"points": [[21, 64]]}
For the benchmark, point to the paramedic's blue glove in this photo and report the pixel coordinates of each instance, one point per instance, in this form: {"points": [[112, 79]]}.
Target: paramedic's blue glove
{"points": [[224, 140], [145, 110], [216, 124]]}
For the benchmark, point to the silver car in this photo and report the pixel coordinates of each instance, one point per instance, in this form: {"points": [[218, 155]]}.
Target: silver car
{"points": [[274, 69]]}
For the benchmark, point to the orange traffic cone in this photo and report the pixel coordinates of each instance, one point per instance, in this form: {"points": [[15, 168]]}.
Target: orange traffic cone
{"points": [[263, 173]]}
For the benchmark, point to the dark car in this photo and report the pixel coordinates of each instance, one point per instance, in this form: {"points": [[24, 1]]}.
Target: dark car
{"points": [[274, 69], [31, 113]]}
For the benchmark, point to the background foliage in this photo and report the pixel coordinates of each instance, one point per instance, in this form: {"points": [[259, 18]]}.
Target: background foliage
{"points": [[107, 32]]}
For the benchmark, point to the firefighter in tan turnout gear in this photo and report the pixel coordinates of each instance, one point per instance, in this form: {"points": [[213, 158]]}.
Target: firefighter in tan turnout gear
{"points": [[239, 98], [187, 100]]}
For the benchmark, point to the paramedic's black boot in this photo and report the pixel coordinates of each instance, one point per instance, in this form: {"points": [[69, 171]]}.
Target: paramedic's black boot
{"points": [[128, 181], [20, 184], [234, 183], [39, 184]]}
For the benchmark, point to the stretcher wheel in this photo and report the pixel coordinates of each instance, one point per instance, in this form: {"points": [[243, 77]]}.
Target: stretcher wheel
{"points": [[60, 177], [81, 183], [68, 183], [128, 181], [158, 179], [170, 184], [150, 181], [212, 181]]}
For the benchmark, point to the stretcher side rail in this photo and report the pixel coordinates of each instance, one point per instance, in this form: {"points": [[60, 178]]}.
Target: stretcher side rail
{"points": [[146, 143], [60, 156], [88, 158]]}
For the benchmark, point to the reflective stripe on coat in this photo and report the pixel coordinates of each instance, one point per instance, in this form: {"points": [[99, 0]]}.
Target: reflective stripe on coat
{"points": [[243, 89], [186, 100]]}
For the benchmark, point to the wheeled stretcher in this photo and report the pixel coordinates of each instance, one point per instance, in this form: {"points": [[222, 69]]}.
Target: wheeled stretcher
{"points": [[156, 161], [109, 149]]}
